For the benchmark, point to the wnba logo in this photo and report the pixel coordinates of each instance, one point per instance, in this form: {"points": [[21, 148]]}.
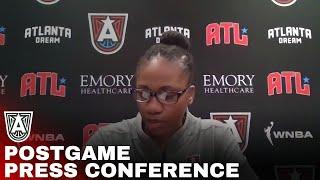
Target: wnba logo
{"points": [[48, 2], [284, 3]]}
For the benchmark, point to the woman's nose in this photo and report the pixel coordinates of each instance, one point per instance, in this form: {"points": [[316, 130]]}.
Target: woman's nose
{"points": [[154, 106]]}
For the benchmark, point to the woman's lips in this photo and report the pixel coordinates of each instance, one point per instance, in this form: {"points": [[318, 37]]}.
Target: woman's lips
{"points": [[154, 120], [154, 123]]}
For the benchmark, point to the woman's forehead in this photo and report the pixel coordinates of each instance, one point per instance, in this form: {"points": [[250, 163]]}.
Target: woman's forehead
{"points": [[161, 73], [160, 61], [152, 82]]}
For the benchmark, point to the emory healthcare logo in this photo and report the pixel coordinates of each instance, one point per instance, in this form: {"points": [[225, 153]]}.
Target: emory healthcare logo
{"points": [[107, 31], [238, 122], [2, 36], [228, 84], [18, 124], [48, 2], [106, 84], [2, 84], [285, 134], [29, 84], [295, 172], [215, 32], [284, 3], [291, 79]]}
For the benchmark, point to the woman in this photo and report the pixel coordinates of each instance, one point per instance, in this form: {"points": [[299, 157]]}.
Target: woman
{"points": [[164, 130]]}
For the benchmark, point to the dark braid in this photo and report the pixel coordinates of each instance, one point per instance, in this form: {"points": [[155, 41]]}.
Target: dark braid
{"points": [[174, 47]]}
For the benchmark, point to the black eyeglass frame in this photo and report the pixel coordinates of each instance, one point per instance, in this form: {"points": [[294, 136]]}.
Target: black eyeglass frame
{"points": [[155, 94]]}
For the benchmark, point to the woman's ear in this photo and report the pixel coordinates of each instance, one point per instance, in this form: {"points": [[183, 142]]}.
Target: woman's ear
{"points": [[191, 94]]}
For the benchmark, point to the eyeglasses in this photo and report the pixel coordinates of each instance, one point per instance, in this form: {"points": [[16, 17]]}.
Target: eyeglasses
{"points": [[163, 96]]}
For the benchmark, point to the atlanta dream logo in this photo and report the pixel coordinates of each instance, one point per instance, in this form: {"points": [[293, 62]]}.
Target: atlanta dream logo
{"points": [[238, 122], [157, 31], [289, 35], [48, 2], [18, 124], [107, 31], [47, 34], [284, 3]]}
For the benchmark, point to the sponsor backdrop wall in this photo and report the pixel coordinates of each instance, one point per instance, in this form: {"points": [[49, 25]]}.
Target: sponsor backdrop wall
{"points": [[72, 62]]}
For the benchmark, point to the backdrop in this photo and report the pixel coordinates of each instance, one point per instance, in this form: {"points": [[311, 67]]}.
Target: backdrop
{"points": [[72, 62]]}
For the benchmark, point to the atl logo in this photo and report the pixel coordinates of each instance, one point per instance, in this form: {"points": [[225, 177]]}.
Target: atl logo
{"points": [[214, 35], [18, 124], [2, 36], [239, 124], [31, 81], [275, 83], [107, 31]]}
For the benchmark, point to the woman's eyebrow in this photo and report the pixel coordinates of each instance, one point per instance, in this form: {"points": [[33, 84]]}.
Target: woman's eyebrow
{"points": [[142, 86], [168, 88], [162, 88]]}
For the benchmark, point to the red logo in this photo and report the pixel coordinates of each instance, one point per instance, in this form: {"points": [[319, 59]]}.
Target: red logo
{"points": [[90, 129], [33, 82], [291, 79], [214, 34], [297, 172], [2, 36], [193, 158], [238, 122], [2, 39]]}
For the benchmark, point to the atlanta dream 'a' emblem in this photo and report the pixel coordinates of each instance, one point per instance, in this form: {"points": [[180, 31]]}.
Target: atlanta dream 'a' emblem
{"points": [[107, 31], [48, 2], [238, 122], [284, 3], [18, 124]]}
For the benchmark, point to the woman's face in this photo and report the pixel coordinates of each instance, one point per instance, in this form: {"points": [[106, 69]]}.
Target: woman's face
{"points": [[160, 74]]}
